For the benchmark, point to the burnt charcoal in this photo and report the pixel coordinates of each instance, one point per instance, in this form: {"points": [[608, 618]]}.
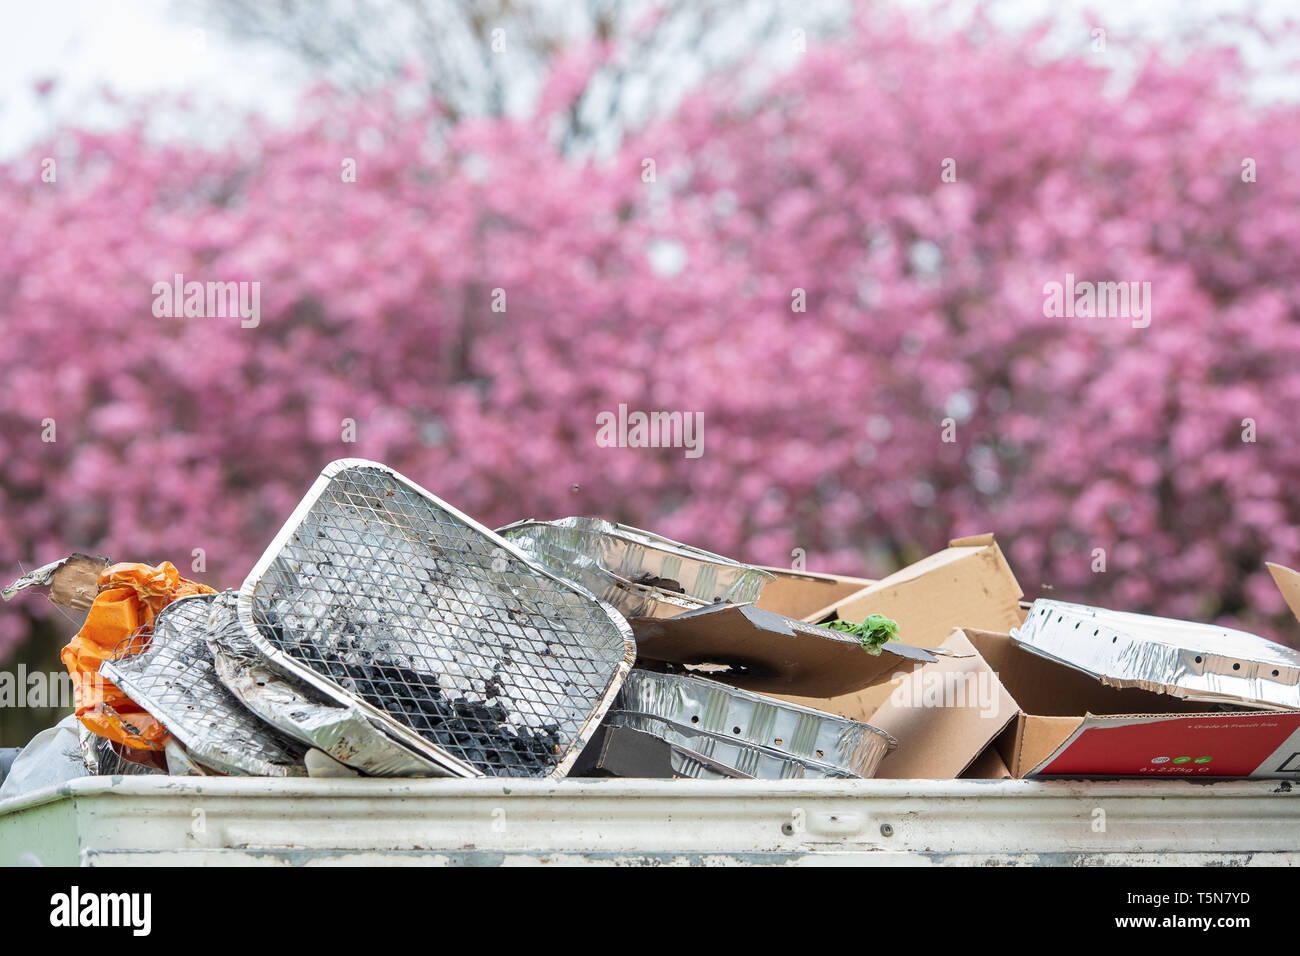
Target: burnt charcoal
{"points": [[473, 730], [664, 584]]}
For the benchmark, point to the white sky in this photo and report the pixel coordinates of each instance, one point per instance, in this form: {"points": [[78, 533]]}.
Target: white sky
{"points": [[139, 47], [133, 47]]}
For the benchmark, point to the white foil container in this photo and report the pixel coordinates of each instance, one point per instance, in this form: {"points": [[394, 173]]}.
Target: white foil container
{"points": [[852, 746], [726, 755], [619, 563], [1198, 662]]}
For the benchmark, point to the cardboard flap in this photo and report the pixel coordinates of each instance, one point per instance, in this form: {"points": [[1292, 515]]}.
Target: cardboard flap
{"points": [[926, 565], [1037, 738], [1046, 688], [944, 714], [972, 541], [768, 652], [801, 594], [989, 765], [967, 586], [1288, 582]]}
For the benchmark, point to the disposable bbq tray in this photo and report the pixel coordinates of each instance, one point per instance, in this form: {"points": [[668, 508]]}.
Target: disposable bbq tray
{"points": [[379, 594], [167, 669], [852, 746], [636, 571], [1198, 662]]}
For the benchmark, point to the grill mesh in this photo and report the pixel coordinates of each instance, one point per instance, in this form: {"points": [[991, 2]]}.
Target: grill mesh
{"points": [[300, 711], [436, 623], [168, 670]]}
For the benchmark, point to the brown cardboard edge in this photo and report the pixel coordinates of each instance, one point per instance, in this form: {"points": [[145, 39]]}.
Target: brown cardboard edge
{"points": [[832, 665], [957, 549], [1287, 582]]}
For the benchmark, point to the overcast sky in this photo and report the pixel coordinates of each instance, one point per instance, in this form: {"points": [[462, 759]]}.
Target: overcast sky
{"points": [[136, 47]]}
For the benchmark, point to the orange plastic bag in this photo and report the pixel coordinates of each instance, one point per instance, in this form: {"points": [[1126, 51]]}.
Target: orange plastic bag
{"points": [[130, 596]]}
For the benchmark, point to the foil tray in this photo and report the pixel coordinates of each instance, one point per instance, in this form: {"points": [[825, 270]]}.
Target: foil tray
{"points": [[447, 636], [299, 711], [637, 571], [1198, 662], [726, 754], [100, 759], [849, 745], [167, 669]]}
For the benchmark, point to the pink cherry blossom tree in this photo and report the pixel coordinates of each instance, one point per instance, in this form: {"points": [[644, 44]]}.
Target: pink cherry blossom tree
{"points": [[844, 273]]}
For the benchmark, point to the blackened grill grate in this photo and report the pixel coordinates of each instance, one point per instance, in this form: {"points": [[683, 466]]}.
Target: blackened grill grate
{"points": [[466, 649]]}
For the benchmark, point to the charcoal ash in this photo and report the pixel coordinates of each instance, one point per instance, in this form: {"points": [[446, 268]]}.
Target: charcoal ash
{"points": [[479, 731], [664, 584]]}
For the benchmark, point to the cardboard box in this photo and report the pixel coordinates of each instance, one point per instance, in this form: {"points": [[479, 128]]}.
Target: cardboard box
{"points": [[800, 594], [945, 714], [767, 652], [1071, 725], [968, 584]]}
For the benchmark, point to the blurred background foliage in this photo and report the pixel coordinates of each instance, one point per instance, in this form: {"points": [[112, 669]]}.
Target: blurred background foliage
{"points": [[651, 187]]}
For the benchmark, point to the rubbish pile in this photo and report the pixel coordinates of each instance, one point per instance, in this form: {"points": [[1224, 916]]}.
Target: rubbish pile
{"points": [[385, 633]]}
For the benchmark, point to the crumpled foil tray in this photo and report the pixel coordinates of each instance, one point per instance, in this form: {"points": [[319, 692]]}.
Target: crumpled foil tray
{"points": [[168, 670], [379, 594], [637, 571], [100, 759], [1198, 662], [849, 745], [300, 712], [727, 755]]}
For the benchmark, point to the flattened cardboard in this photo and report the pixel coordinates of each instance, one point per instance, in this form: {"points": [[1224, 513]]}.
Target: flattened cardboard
{"points": [[1288, 582], [968, 584], [768, 652], [799, 594], [944, 713]]}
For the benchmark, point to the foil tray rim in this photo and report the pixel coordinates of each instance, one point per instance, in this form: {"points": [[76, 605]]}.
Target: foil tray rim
{"points": [[639, 536]]}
